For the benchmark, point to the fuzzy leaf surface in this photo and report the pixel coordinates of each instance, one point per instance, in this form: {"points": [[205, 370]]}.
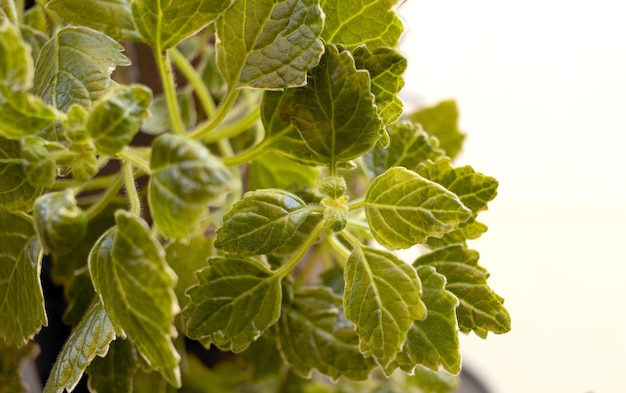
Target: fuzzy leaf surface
{"points": [[404, 209], [21, 295], [115, 119], [313, 334], [114, 373], [61, 83], [441, 121], [131, 276], [90, 338], [261, 222], [269, 44], [165, 23], [11, 358], [235, 301], [373, 23], [118, 23], [16, 192], [434, 341], [185, 178], [382, 297], [335, 112], [480, 309]]}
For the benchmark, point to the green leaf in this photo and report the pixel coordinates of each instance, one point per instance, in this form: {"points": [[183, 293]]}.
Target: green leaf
{"points": [[61, 83], [16, 192], [160, 121], [21, 296], [261, 222], [114, 373], [24, 114], [475, 190], [36, 39], [39, 165], [186, 258], [404, 209], [89, 339], [79, 294], [409, 146], [115, 119], [373, 23], [16, 63], [433, 342], [269, 44], [118, 23], [382, 298], [131, 276], [429, 381], [235, 301], [469, 230], [386, 67], [313, 333], [185, 178], [11, 359], [274, 171], [165, 23], [59, 222], [480, 309], [335, 113], [441, 121]]}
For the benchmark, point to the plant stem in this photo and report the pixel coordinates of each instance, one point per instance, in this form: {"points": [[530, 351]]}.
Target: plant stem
{"points": [[192, 76], [339, 248], [169, 89], [233, 129], [246, 156], [106, 198], [203, 129], [127, 154], [357, 205], [302, 250], [131, 189]]}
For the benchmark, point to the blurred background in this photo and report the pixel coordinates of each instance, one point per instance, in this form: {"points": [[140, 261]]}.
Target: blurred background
{"points": [[541, 88]]}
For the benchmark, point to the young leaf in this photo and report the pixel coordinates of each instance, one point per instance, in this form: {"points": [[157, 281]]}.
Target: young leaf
{"points": [[59, 222], [469, 230], [335, 112], [433, 342], [114, 373], [441, 121], [382, 298], [131, 276], [269, 44], [160, 121], [235, 301], [274, 171], [23, 114], [373, 23], [90, 338], [61, 83], [115, 119], [118, 23], [16, 63], [404, 209], [480, 309], [185, 178], [261, 222], [475, 190], [312, 335], [39, 165], [386, 67], [429, 381], [16, 192], [186, 258], [165, 23], [11, 359], [21, 296]]}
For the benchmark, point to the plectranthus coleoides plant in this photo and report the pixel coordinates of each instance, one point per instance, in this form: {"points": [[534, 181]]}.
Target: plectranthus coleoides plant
{"points": [[247, 198]]}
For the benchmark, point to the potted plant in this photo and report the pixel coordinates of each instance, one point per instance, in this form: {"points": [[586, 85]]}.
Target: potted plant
{"points": [[248, 202]]}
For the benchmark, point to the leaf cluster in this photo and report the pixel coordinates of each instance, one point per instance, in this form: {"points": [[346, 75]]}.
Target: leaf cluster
{"points": [[252, 207]]}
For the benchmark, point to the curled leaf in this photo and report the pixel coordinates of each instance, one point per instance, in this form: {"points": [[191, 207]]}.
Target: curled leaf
{"points": [[59, 222]]}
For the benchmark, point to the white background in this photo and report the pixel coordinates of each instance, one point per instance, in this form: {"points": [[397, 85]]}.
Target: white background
{"points": [[541, 87]]}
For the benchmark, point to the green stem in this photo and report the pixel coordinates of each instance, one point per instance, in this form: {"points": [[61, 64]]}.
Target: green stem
{"points": [[131, 189], [169, 89], [127, 154], [106, 198], [339, 248], [245, 156], [357, 205], [192, 76], [203, 129], [302, 250], [96, 183], [233, 129]]}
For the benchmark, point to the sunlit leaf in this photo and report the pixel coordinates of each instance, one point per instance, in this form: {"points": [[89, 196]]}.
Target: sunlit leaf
{"points": [[434, 341], [469, 230], [16, 64], [335, 113], [11, 359], [136, 286], [21, 296], [90, 338], [185, 178], [382, 298], [61, 83], [118, 23], [39, 166], [404, 209], [59, 222], [114, 373], [370, 22], [274, 171], [261, 222], [165, 23], [314, 335], [23, 114], [480, 309], [235, 301], [269, 44], [429, 381], [441, 121]]}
